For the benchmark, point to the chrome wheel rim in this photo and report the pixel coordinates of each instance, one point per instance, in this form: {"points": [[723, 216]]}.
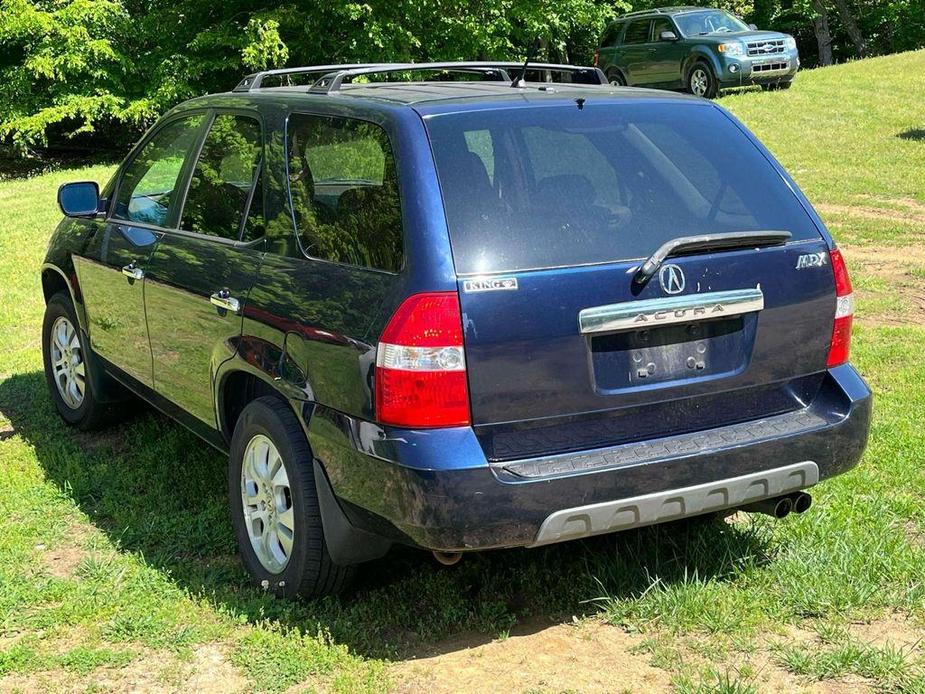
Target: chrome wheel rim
{"points": [[699, 82], [267, 499], [67, 363]]}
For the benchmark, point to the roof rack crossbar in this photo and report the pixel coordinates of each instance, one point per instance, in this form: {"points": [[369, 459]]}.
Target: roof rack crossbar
{"points": [[499, 70]]}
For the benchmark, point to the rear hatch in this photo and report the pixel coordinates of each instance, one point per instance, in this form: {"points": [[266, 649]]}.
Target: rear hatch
{"points": [[551, 211]]}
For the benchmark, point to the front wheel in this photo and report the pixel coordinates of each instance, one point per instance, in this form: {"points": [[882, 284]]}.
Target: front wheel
{"points": [[701, 81], [69, 368], [274, 505]]}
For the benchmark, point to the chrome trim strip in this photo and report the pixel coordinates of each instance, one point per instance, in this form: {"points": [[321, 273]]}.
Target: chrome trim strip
{"points": [[635, 512], [637, 315]]}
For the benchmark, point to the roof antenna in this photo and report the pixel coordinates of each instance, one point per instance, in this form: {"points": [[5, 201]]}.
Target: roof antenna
{"points": [[521, 79]]}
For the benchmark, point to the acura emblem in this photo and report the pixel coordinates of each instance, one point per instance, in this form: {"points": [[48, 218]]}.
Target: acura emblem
{"points": [[672, 279]]}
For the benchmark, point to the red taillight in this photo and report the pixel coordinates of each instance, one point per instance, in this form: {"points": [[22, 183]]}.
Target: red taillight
{"points": [[597, 57], [844, 312], [421, 365]]}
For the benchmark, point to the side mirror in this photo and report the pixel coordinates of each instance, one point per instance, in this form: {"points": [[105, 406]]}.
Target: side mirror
{"points": [[753, 27], [81, 199], [668, 36]]}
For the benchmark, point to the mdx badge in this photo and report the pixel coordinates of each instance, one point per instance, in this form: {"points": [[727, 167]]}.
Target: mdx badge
{"points": [[489, 284], [671, 277], [811, 260]]}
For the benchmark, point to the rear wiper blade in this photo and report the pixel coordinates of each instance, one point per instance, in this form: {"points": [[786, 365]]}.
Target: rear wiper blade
{"points": [[684, 245]]}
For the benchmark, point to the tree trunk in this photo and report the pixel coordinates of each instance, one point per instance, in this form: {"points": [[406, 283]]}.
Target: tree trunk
{"points": [[851, 26], [823, 33]]}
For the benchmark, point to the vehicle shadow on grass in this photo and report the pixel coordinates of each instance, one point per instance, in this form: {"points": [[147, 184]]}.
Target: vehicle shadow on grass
{"points": [[915, 134], [157, 490]]}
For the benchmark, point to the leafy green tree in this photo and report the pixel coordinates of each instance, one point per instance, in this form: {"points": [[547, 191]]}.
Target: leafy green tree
{"points": [[106, 68]]}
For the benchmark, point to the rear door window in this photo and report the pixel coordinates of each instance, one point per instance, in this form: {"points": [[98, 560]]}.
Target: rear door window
{"points": [[637, 32], [223, 188], [345, 191], [529, 188]]}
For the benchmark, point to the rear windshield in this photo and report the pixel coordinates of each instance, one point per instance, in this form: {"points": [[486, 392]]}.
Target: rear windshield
{"points": [[529, 188]]}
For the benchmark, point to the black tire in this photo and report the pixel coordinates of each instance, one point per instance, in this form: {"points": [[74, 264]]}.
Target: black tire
{"points": [[701, 81], [309, 571], [616, 79], [775, 86], [90, 413]]}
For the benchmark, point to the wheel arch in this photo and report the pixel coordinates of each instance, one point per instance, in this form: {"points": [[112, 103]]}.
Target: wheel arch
{"points": [[55, 280], [614, 68], [236, 387], [699, 55]]}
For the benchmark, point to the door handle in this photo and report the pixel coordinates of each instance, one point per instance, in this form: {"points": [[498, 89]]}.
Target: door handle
{"points": [[223, 300], [132, 272]]}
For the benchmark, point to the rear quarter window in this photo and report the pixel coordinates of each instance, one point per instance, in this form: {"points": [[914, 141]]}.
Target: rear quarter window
{"points": [[529, 188], [344, 191]]}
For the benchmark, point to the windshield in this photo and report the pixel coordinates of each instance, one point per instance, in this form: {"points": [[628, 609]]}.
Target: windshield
{"points": [[709, 22], [528, 188]]}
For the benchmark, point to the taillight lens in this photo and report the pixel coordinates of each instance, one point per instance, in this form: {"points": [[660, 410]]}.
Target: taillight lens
{"points": [[844, 312], [421, 364]]}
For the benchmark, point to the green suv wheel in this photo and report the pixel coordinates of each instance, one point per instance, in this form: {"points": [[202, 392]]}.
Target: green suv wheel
{"points": [[616, 78], [775, 86], [701, 81]]}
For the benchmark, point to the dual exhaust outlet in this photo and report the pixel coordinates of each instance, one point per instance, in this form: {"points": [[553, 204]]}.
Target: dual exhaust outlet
{"points": [[781, 506]]}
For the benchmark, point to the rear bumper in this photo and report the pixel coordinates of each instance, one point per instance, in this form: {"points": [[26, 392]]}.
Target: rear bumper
{"points": [[435, 489]]}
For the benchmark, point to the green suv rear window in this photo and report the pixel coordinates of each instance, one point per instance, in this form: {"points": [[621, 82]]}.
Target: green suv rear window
{"points": [[529, 188]]}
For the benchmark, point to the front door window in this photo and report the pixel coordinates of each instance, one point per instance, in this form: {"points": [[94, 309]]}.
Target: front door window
{"points": [[148, 188]]}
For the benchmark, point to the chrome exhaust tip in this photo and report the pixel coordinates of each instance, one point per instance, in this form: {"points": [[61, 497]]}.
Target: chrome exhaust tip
{"points": [[448, 558], [801, 502], [777, 507]]}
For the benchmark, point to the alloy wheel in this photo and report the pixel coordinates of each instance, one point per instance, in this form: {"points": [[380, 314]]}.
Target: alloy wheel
{"points": [[67, 363], [700, 81], [267, 503]]}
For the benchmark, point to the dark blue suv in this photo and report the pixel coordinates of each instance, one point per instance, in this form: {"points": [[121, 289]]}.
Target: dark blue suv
{"points": [[462, 312]]}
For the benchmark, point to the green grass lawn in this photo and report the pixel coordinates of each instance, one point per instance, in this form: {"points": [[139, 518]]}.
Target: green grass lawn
{"points": [[118, 568]]}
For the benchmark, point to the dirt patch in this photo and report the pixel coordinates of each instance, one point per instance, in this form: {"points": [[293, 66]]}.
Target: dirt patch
{"points": [[901, 210], [589, 657], [212, 673], [903, 268], [113, 440], [914, 534], [209, 672], [61, 559], [896, 630]]}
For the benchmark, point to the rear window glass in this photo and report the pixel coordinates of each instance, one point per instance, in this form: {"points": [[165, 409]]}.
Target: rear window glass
{"points": [[558, 186]]}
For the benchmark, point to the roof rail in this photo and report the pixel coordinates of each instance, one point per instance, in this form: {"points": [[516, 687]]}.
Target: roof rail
{"points": [[255, 80], [329, 78], [663, 10], [494, 70]]}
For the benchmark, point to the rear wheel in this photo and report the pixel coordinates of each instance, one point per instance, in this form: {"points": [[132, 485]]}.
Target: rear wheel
{"points": [[274, 504], [68, 368], [701, 81], [616, 79]]}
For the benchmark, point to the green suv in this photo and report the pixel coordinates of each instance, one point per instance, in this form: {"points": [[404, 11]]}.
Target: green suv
{"points": [[695, 48]]}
